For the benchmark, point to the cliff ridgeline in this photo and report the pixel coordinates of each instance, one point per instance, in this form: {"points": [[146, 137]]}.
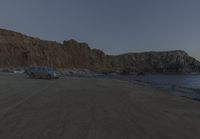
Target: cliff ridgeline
{"points": [[18, 50]]}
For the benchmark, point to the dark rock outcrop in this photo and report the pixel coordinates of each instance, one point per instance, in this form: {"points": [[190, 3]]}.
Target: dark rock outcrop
{"points": [[171, 61], [18, 50]]}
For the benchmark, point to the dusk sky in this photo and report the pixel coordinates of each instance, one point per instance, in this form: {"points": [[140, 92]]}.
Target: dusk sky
{"points": [[114, 26]]}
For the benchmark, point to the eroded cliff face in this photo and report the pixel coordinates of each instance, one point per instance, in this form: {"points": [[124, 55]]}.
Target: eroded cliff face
{"points": [[18, 50], [171, 61]]}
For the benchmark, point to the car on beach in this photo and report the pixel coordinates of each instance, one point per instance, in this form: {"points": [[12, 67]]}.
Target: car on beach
{"points": [[141, 74], [42, 73]]}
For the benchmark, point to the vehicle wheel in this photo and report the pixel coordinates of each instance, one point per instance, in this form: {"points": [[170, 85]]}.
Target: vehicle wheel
{"points": [[32, 75], [49, 77]]}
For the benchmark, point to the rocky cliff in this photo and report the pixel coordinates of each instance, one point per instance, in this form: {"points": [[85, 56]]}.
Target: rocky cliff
{"points": [[171, 61], [18, 50]]}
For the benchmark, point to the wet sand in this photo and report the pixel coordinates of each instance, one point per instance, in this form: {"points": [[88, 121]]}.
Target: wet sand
{"points": [[81, 108]]}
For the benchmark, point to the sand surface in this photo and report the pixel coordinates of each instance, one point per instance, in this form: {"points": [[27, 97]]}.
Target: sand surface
{"points": [[80, 108]]}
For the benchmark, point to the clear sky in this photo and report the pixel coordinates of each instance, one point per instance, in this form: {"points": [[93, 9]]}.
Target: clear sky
{"points": [[115, 26]]}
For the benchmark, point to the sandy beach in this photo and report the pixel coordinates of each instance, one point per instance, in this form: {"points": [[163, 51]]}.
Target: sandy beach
{"points": [[83, 108]]}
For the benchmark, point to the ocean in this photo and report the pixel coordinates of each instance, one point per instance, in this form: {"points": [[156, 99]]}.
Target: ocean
{"points": [[178, 84]]}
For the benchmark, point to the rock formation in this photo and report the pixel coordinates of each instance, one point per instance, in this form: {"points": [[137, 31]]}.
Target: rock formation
{"points": [[171, 61], [18, 50]]}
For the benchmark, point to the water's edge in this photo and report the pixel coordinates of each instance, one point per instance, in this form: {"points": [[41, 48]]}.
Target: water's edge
{"points": [[187, 86]]}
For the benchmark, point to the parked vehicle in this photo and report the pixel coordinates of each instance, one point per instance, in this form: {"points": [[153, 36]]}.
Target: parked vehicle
{"points": [[141, 74], [43, 73]]}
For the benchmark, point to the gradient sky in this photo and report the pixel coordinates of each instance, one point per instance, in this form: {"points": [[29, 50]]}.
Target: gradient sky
{"points": [[115, 26]]}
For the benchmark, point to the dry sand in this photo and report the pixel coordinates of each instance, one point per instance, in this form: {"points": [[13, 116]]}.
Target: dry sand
{"points": [[80, 108]]}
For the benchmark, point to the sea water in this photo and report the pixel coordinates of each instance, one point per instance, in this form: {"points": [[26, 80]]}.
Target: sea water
{"points": [[179, 84]]}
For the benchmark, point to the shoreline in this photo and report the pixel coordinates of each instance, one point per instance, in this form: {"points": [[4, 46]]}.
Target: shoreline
{"points": [[175, 90], [92, 108], [180, 91]]}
